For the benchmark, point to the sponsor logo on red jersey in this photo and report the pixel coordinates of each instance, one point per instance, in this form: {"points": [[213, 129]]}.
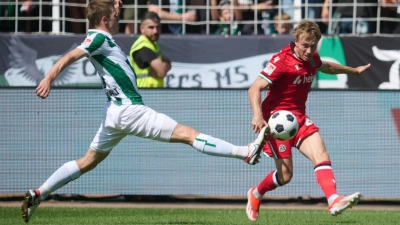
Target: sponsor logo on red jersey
{"points": [[308, 79], [304, 79], [269, 68], [297, 80], [308, 122]]}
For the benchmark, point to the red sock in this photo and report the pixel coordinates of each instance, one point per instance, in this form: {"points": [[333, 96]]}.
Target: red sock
{"points": [[268, 184], [37, 192], [325, 178]]}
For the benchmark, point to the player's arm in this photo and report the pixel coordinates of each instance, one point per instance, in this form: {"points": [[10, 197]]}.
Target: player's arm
{"points": [[254, 92], [43, 89], [334, 68]]}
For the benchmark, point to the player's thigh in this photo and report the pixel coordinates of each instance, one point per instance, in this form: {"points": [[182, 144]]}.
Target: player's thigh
{"points": [[106, 139], [313, 147], [142, 121], [278, 149], [109, 134]]}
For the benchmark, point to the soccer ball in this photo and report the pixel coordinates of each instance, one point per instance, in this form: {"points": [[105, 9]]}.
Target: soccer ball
{"points": [[283, 125]]}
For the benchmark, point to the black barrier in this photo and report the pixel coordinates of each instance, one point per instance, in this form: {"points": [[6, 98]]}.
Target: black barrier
{"points": [[204, 61]]}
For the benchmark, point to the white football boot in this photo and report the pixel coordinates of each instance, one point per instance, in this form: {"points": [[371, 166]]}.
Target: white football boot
{"points": [[255, 147]]}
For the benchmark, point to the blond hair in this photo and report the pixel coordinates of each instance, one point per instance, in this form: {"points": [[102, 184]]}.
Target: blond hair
{"points": [[283, 16], [96, 9], [309, 28]]}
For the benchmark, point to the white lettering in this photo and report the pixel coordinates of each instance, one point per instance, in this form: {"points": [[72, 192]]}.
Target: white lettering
{"points": [[394, 74], [308, 122], [308, 79], [297, 80], [203, 75]]}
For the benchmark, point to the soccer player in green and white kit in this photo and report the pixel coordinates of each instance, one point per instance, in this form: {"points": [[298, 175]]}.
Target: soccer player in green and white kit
{"points": [[124, 112]]}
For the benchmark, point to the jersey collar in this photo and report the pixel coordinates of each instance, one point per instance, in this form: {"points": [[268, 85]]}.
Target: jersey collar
{"points": [[101, 31], [293, 52]]}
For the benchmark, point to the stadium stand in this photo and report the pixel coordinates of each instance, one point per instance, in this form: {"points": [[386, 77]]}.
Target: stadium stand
{"points": [[55, 17]]}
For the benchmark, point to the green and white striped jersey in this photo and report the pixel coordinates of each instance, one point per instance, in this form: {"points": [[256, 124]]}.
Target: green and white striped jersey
{"points": [[111, 63]]}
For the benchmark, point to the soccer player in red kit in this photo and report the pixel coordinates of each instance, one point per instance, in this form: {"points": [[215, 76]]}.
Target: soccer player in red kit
{"points": [[288, 76]]}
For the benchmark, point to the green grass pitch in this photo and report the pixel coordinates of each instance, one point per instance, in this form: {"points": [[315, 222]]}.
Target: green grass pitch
{"points": [[100, 216]]}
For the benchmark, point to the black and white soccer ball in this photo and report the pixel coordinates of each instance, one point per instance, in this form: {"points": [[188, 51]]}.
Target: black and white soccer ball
{"points": [[283, 125]]}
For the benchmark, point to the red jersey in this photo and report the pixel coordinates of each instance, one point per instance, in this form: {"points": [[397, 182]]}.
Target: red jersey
{"points": [[290, 80]]}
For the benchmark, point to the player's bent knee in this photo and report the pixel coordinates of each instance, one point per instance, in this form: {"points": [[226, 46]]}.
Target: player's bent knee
{"points": [[84, 166], [90, 160], [285, 179], [184, 134]]}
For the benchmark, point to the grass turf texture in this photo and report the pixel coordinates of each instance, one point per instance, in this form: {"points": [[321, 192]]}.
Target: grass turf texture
{"points": [[100, 216]]}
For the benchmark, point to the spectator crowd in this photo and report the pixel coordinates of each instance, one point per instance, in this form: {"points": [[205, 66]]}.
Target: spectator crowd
{"points": [[216, 17]]}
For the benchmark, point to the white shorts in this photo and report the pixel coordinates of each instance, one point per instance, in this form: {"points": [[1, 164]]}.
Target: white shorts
{"points": [[138, 120]]}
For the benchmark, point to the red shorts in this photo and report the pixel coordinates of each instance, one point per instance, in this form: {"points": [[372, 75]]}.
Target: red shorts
{"points": [[283, 149]]}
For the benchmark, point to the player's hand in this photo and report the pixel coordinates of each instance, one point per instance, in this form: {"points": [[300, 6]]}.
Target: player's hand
{"points": [[43, 89], [258, 123], [360, 70]]}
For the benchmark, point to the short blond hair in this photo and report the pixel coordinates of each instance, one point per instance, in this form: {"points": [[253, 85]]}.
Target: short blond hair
{"points": [[307, 27], [96, 9], [283, 16]]}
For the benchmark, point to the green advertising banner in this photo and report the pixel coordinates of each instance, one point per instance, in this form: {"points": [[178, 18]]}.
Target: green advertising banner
{"points": [[330, 49]]}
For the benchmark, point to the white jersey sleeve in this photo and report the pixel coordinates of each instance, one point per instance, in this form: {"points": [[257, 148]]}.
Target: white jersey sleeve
{"points": [[93, 44]]}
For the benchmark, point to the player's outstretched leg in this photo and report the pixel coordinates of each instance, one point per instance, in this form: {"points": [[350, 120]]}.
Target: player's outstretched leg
{"points": [[342, 203], [256, 147], [253, 205], [31, 202]]}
